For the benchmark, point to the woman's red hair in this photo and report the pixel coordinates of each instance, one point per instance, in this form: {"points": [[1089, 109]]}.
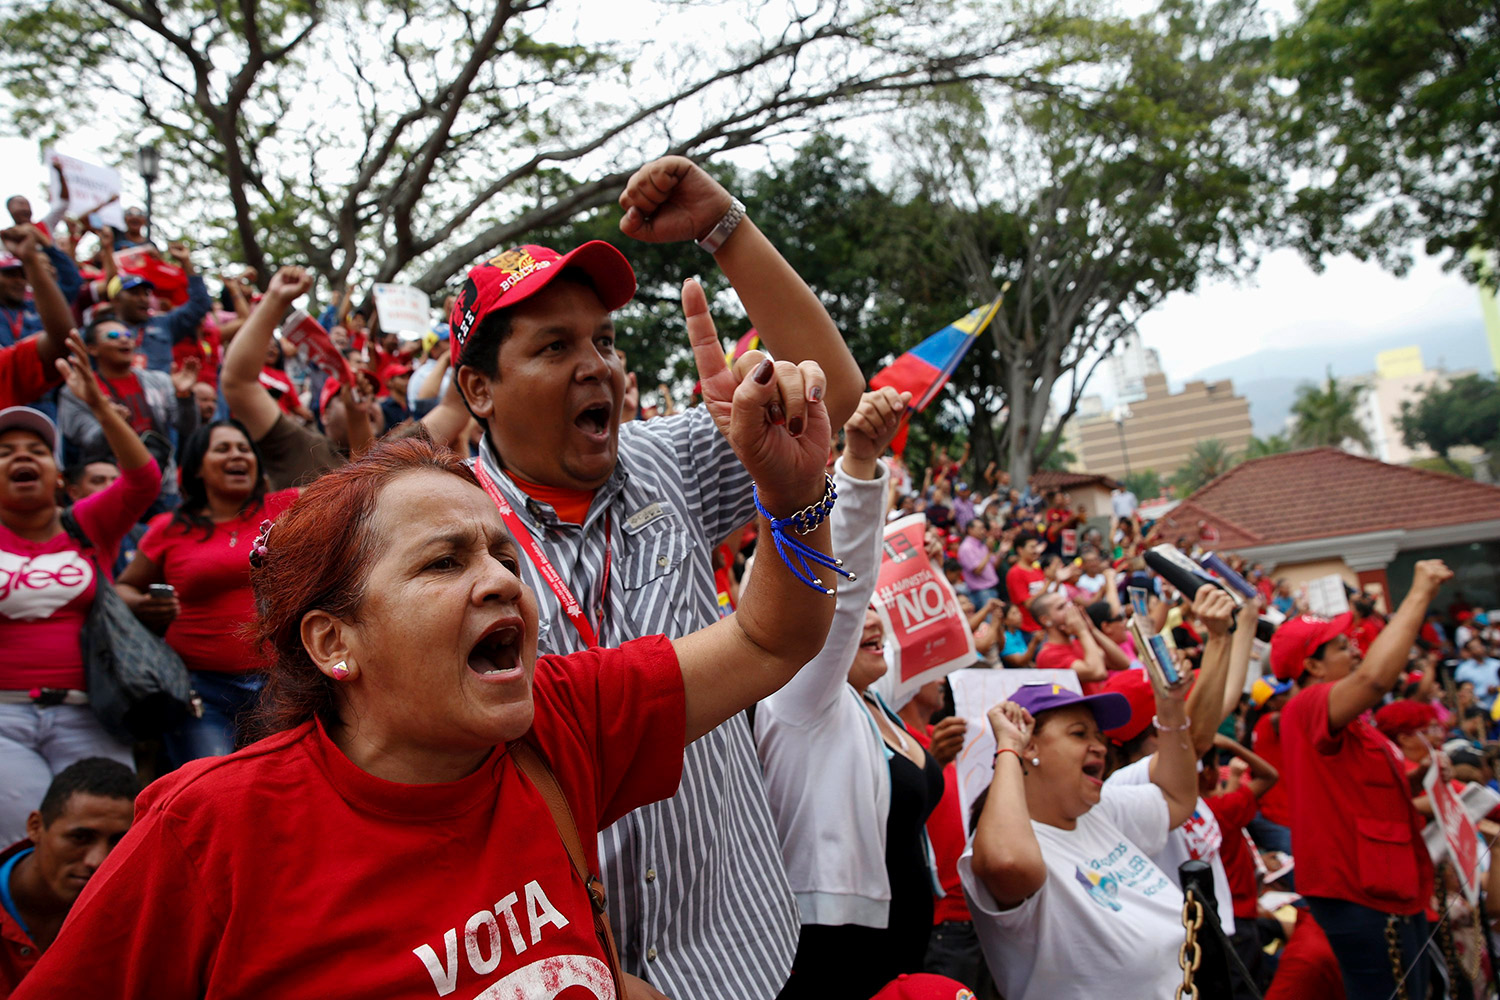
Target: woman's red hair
{"points": [[317, 558]]}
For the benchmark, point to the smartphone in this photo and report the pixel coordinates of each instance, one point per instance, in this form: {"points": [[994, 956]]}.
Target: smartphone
{"points": [[165, 591], [1162, 657], [1150, 647], [1139, 601]]}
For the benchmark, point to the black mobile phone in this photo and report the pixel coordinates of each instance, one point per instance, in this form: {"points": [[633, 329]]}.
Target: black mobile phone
{"points": [[162, 590]]}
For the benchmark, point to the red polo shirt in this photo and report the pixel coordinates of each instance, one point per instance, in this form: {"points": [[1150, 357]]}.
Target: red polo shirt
{"points": [[1022, 583], [18, 953], [1355, 834]]}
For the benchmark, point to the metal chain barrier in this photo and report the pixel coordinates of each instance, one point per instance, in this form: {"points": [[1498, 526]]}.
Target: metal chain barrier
{"points": [[1393, 947], [1192, 921]]}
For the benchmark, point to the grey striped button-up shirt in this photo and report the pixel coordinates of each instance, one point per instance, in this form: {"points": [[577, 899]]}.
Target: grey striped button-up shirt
{"points": [[698, 894]]}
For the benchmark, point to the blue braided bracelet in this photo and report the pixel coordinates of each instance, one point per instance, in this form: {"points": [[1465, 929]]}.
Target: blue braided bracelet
{"points": [[802, 522]]}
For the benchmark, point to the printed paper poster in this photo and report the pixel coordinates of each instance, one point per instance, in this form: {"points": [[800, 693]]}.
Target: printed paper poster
{"points": [[312, 341], [926, 634], [1460, 838], [92, 189], [402, 307]]}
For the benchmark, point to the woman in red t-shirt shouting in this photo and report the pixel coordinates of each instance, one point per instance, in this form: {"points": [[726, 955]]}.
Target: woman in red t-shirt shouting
{"points": [[200, 550], [396, 834], [48, 580], [1361, 862]]}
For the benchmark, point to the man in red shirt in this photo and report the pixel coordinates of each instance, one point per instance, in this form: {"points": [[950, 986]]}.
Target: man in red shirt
{"points": [[1361, 862], [1364, 623], [1074, 643], [87, 809], [1025, 579]]}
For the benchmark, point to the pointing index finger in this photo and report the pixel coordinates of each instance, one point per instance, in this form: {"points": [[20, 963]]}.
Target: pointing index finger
{"points": [[708, 353]]}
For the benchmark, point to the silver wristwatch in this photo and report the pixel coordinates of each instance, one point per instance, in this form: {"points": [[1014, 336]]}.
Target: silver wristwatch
{"points": [[726, 225]]}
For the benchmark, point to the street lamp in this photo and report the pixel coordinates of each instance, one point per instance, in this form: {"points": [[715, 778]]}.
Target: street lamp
{"points": [[148, 162], [1120, 415]]}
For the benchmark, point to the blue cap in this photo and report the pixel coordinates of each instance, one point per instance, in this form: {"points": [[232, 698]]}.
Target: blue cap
{"points": [[1110, 710], [125, 282]]}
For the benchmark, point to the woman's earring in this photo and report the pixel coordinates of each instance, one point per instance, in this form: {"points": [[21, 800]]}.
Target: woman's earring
{"points": [[340, 671], [1036, 762]]}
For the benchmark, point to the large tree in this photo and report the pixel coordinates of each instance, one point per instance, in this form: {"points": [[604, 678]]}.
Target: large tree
{"points": [[402, 137], [1397, 118], [1096, 210], [1463, 412]]}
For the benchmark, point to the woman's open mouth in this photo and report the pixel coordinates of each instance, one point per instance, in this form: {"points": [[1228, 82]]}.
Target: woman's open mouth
{"points": [[873, 646], [1094, 771], [25, 474], [497, 654]]}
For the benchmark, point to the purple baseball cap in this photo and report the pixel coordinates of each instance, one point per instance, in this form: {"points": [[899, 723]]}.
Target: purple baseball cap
{"points": [[1110, 710]]}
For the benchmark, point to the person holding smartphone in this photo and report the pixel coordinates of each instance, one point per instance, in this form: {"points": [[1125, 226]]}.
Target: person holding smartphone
{"points": [[190, 579]]}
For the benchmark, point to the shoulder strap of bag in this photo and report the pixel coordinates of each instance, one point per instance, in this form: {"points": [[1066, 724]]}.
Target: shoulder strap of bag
{"points": [[74, 529], [540, 775]]}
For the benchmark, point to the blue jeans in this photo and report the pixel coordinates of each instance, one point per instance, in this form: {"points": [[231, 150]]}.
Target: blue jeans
{"points": [[225, 697], [1357, 934], [979, 597], [37, 742]]}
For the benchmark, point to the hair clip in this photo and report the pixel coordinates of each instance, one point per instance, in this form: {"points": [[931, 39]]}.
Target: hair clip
{"points": [[258, 550]]}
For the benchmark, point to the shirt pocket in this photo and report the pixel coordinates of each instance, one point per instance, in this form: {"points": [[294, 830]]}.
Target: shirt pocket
{"points": [[1385, 859], [653, 552]]}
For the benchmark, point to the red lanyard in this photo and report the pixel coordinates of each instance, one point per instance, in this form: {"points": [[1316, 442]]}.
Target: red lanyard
{"points": [[543, 565]]}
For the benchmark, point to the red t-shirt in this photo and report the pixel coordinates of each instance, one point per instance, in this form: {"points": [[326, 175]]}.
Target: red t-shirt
{"points": [[286, 871], [1362, 633], [945, 828], [1022, 583], [212, 577], [1355, 834], [18, 953], [23, 379], [47, 588], [1266, 741], [1061, 656], [128, 393], [1234, 811], [1308, 966]]}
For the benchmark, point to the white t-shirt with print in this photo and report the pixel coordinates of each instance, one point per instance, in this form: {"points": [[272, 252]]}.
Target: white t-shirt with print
{"points": [[1107, 922], [1199, 839]]}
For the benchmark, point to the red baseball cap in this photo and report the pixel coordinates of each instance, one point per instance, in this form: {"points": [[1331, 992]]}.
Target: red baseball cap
{"points": [[521, 272], [924, 986], [1298, 638], [1136, 687]]}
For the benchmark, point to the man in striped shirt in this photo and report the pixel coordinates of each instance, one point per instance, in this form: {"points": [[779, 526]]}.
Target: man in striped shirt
{"points": [[619, 525]]}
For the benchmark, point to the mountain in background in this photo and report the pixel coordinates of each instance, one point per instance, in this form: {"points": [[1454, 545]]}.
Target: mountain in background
{"points": [[1263, 377]]}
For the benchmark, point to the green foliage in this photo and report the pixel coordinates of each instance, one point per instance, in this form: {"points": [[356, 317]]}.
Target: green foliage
{"points": [[1326, 416], [1145, 484], [1465, 411], [1438, 463], [1276, 444], [1208, 460], [1396, 114]]}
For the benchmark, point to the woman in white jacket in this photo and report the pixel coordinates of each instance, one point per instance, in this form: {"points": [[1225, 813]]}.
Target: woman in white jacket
{"points": [[849, 786]]}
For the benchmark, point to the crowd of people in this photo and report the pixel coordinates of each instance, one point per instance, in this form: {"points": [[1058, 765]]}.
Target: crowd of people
{"points": [[507, 683]]}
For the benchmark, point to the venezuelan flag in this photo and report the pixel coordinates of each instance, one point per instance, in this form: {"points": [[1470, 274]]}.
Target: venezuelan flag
{"points": [[926, 368]]}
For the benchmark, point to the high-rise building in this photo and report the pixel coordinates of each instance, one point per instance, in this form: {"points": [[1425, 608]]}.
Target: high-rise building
{"points": [[1400, 376], [1126, 369], [1158, 430]]}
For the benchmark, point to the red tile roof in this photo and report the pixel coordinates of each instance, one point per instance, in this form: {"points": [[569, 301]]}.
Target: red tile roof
{"points": [[1324, 493], [1048, 479]]}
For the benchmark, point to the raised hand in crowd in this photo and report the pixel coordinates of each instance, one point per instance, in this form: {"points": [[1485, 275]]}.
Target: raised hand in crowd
{"points": [[673, 199], [948, 739], [180, 254], [23, 243]]}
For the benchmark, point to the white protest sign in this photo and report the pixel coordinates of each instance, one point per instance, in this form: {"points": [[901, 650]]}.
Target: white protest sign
{"points": [[92, 189], [975, 692], [1326, 596], [402, 307]]}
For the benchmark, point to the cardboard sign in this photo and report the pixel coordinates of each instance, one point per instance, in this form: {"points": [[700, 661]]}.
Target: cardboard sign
{"points": [[312, 342], [92, 189], [975, 692], [1459, 837], [926, 633], [402, 307]]}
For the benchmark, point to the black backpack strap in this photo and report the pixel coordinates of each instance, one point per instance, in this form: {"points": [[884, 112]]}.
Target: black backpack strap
{"points": [[74, 529]]}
